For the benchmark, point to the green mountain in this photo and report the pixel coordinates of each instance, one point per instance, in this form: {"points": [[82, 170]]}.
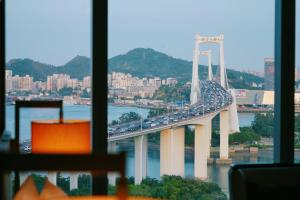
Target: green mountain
{"points": [[148, 62], [139, 62], [39, 71], [78, 67]]}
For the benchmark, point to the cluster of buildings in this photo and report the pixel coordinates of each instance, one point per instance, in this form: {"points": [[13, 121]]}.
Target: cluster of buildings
{"points": [[128, 86], [17, 83], [120, 84], [269, 72], [56, 82]]}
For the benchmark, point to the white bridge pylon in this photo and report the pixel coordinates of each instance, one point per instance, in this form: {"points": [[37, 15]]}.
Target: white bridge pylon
{"points": [[207, 53], [195, 89], [195, 95]]}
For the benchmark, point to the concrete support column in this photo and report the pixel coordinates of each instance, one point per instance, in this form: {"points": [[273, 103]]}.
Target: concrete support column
{"points": [[140, 156], [201, 150], [172, 151], [52, 177], [209, 135], [23, 176], [112, 147], [224, 132], [74, 180], [112, 176]]}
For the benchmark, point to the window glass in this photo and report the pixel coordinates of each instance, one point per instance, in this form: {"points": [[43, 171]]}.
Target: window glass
{"points": [[168, 107], [48, 57]]}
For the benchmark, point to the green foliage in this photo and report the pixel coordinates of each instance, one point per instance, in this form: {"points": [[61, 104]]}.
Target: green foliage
{"points": [[148, 62], [246, 136], [39, 181], [86, 94], [263, 124], [126, 117], [173, 93], [297, 123], [84, 186], [157, 111], [215, 138], [242, 80], [189, 136], [65, 91], [78, 67], [154, 138], [177, 188], [63, 183], [139, 62]]}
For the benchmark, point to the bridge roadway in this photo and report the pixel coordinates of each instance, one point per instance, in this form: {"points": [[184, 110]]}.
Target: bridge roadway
{"points": [[214, 99]]}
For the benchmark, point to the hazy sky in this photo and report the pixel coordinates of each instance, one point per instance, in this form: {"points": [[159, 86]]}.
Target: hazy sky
{"points": [[54, 31]]}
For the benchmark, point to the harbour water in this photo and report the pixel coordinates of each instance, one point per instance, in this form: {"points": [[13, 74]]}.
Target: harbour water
{"points": [[216, 173]]}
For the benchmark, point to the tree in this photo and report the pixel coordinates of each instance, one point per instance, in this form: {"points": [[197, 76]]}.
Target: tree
{"points": [[176, 188], [189, 136], [65, 91], [167, 93], [85, 94], [263, 124], [157, 111], [39, 181], [246, 136], [128, 117], [63, 182]]}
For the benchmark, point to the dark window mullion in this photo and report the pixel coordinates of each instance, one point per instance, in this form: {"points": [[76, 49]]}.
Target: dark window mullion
{"points": [[99, 89], [2, 67], [284, 81]]}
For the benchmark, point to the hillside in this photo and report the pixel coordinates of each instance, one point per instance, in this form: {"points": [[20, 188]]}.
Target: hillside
{"points": [[139, 62], [148, 62], [78, 67]]}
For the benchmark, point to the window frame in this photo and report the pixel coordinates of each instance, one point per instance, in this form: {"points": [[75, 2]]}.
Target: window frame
{"points": [[284, 116], [284, 85], [99, 18]]}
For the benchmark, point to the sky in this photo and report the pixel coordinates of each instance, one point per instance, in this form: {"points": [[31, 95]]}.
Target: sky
{"points": [[54, 31]]}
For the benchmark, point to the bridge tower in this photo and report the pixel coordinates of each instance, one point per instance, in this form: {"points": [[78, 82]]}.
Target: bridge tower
{"points": [[195, 88], [208, 55]]}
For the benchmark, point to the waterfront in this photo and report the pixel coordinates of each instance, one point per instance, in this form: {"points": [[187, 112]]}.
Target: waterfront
{"points": [[217, 173]]}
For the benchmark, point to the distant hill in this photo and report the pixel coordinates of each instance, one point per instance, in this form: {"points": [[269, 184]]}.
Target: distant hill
{"points": [[78, 67], [148, 62], [139, 62]]}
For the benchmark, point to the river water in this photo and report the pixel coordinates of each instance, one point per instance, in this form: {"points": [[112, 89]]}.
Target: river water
{"points": [[216, 173]]}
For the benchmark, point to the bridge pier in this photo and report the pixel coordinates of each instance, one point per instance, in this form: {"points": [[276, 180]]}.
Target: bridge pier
{"points": [[209, 138], [172, 151], [52, 177], [23, 177], [74, 180], [140, 156], [112, 176], [202, 145], [112, 147], [224, 132]]}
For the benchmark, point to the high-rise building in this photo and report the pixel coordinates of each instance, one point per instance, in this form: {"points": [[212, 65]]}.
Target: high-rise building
{"points": [[269, 74], [8, 80], [26, 83]]}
